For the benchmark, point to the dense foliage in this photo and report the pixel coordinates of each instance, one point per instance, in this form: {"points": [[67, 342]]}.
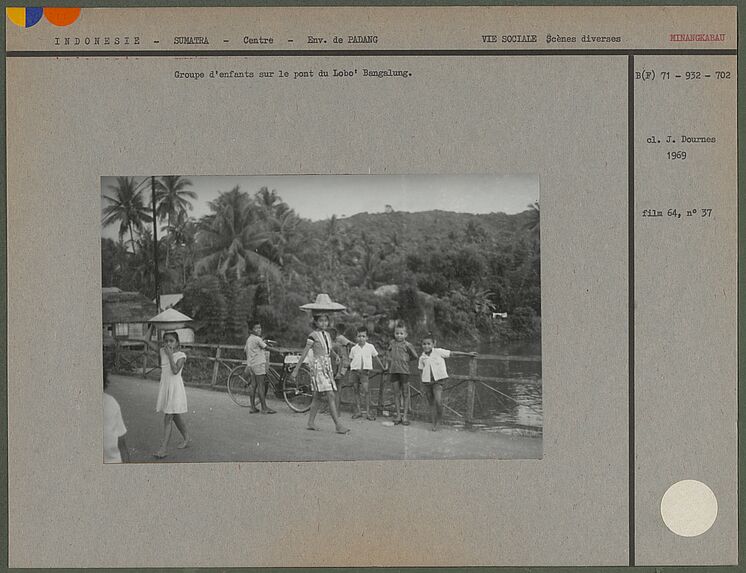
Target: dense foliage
{"points": [[254, 258]]}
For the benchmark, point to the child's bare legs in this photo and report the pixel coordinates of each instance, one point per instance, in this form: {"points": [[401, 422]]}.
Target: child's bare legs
{"points": [[438, 405], [253, 383], [338, 397], [357, 413], [338, 393], [333, 411], [428, 388], [406, 402], [261, 383], [316, 403], [366, 394], [356, 381], [179, 421], [314, 410], [161, 453], [397, 390]]}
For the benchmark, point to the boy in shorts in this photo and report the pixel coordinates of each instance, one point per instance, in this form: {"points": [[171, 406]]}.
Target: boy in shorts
{"points": [[361, 365], [434, 375], [256, 368], [399, 353]]}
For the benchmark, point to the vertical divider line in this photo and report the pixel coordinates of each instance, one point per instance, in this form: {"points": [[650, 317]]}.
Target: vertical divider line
{"points": [[631, 295]]}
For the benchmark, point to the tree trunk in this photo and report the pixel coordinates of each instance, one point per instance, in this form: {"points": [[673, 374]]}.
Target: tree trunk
{"points": [[168, 242]]}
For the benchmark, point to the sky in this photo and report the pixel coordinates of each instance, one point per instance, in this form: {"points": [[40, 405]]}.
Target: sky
{"points": [[318, 197]]}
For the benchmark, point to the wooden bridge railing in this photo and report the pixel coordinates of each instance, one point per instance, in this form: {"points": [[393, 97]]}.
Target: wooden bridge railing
{"points": [[215, 361]]}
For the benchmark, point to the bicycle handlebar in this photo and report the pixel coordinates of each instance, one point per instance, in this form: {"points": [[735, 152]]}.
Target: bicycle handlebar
{"points": [[283, 350]]}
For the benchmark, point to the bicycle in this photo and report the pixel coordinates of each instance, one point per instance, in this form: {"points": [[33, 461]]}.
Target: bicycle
{"points": [[297, 393]]}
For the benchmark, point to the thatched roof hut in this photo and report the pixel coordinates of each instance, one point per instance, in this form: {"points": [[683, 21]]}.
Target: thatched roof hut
{"points": [[126, 307]]}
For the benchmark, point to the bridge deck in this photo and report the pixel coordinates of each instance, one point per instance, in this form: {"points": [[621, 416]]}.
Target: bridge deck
{"points": [[223, 432]]}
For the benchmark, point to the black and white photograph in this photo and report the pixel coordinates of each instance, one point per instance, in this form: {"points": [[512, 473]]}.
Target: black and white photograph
{"points": [[321, 318]]}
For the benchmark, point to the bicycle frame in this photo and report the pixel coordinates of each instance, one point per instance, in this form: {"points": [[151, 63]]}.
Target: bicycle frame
{"points": [[295, 391]]}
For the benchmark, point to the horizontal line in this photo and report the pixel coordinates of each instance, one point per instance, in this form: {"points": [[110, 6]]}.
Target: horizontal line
{"points": [[296, 53]]}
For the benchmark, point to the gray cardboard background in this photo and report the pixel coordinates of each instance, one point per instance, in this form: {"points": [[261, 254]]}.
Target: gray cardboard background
{"points": [[456, 115], [686, 305]]}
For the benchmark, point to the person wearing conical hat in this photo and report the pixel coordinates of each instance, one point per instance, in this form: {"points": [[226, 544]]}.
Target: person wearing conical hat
{"points": [[322, 374]]}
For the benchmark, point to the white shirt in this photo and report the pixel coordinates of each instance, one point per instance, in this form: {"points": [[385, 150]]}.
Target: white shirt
{"points": [[433, 366], [113, 429], [361, 358], [254, 348]]}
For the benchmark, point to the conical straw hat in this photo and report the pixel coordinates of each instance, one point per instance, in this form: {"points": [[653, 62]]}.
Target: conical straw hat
{"points": [[170, 319], [323, 303]]}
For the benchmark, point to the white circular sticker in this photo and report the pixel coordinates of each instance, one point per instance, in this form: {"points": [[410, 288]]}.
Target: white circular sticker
{"points": [[689, 508]]}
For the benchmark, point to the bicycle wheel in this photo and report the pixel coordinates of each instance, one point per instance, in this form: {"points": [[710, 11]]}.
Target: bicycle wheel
{"points": [[298, 393], [239, 386], [274, 384]]}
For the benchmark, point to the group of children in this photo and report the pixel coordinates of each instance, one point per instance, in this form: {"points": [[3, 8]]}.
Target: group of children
{"points": [[360, 360], [353, 360]]}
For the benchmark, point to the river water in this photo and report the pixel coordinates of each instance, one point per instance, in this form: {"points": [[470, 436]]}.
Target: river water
{"points": [[514, 398]]}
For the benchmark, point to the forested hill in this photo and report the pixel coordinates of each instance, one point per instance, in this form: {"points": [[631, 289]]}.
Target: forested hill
{"points": [[466, 266], [434, 226]]}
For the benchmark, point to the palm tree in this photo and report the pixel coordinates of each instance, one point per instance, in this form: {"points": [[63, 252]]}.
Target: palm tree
{"points": [[268, 202], [228, 239], [281, 224], [182, 229], [284, 240], [122, 266], [172, 199], [182, 238], [141, 266], [126, 207], [480, 300], [335, 246]]}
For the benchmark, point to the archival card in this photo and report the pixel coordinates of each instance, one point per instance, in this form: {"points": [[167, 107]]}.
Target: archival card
{"points": [[372, 286]]}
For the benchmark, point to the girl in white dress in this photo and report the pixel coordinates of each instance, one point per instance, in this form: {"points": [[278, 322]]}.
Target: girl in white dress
{"points": [[171, 395]]}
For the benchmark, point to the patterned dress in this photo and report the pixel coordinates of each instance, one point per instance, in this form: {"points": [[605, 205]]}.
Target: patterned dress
{"points": [[322, 372]]}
